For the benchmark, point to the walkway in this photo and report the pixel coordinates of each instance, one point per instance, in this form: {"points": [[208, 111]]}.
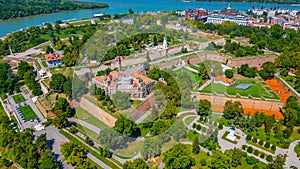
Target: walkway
{"points": [[85, 124]]}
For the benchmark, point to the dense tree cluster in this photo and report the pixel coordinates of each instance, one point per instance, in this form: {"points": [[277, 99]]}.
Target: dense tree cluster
{"points": [[241, 51], [247, 71], [25, 71], [137, 163], [8, 81], [76, 156], [126, 127], [121, 100], [178, 157], [21, 146], [14, 8], [133, 43], [269, 70], [275, 38], [62, 111]]}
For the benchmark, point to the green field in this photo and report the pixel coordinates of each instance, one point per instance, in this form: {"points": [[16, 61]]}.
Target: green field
{"points": [[18, 98], [87, 117], [190, 119], [28, 113], [256, 90]]}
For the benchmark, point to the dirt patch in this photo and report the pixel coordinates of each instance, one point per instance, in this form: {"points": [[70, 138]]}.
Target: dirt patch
{"points": [[280, 90], [97, 112]]}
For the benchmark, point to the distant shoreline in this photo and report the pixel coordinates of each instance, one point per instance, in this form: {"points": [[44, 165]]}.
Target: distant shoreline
{"points": [[100, 5]]}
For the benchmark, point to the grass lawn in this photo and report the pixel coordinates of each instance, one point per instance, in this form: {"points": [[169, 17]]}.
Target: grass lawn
{"points": [[131, 150], [256, 90], [18, 98], [87, 117], [194, 76], [190, 119], [28, 113], [297, 150], [225, 135], [136, 103], [44, 63]]}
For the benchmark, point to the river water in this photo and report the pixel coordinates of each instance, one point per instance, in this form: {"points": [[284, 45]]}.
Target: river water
{"points": [[122, 6]]}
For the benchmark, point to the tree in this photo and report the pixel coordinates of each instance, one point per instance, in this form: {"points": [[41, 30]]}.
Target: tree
{"points": [[111, 138], [178, 157], [232, 109], [67, 87], [250, 72], [151, 147], [49, 50], [236, 157], [57, 82], [229, 73], [196, 148], [24, 67], [121, 100], [48, 161], [63, 105], [126, 127], [155, 42], [137, 163], [242, 69], [277, 163], [268, 71], [130, 11], [203, 71], [204, 107]]}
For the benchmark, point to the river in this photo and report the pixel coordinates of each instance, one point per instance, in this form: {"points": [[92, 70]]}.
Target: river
{"points": [[122, 6]]}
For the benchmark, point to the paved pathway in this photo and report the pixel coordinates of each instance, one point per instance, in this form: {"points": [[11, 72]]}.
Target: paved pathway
{"points": [[292, 159], [187, 111], [85, 124]]}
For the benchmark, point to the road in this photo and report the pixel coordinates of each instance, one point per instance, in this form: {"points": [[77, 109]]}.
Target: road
{"points": [[55, 139]]}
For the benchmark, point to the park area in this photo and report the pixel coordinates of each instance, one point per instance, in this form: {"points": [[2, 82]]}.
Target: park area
{"points": [[18, 98], [28, 113], [258, 89]]}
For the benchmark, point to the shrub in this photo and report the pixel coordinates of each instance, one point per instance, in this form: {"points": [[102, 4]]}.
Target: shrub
{"points": [[251, 160], [204, 129], [194, 132], [256, 152], [194, 125], [215, 123], [269, 158], [250, 150], [220, 127], [262, 155], [261, 142], [273, 148], [257, 134], [198, 127], [254, 140], [267, 145], [201, 118], [268, 138], [205, 120], [244, 147], [244, 154], [203, 162], [249, 137]]}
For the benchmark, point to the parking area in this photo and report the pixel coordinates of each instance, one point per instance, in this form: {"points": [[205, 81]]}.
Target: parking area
{"points": [[25, 111]]}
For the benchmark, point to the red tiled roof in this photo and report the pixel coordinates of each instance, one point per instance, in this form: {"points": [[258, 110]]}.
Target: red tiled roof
{"points": [[224, 79], [52, 57]]}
